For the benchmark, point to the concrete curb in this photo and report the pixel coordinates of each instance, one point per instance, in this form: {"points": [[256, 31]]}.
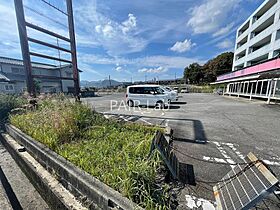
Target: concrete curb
{"points": [[49, 188], [97, 195]]}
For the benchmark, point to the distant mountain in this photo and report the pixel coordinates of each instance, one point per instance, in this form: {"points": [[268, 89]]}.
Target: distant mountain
{"points": [[100, 84]]}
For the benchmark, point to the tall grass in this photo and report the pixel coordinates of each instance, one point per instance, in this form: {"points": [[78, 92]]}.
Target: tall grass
{"points": [[115, 153]]}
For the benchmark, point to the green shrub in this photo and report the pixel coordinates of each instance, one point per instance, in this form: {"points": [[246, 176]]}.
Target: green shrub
{"points": [[115, 153], [7, 103]]}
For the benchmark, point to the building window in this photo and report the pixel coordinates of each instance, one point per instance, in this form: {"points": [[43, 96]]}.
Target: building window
{"points": [[16, 70], [264, 88], [9, 87], [278, 35]]}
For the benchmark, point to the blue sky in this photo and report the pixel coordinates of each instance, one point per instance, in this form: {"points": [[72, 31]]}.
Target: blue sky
{"points": [[133, 39]]}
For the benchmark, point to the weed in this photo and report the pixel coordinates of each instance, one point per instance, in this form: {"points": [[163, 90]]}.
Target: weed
{"points": [[115, 153]]}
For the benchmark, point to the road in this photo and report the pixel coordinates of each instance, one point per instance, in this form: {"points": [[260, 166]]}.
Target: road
{"points": [[208, 127]]}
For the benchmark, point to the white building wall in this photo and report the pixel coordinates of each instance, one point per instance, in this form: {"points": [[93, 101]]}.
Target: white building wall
{"points": [[269, 34], [17, 76]]}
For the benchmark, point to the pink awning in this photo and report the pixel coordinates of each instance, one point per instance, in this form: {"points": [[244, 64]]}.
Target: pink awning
{"points": [[267, 66]]}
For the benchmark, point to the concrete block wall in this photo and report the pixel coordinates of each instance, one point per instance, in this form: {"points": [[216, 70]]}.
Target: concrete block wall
{"points": [[95, 194]]}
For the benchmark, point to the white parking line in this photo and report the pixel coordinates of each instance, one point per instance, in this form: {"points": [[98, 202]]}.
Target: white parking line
{"points": [[145, 121], [224, 153], [199, 203], [214, 159], [166, 123], [233, 147]]}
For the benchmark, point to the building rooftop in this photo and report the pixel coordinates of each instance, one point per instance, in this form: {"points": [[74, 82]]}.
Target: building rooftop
{"points": [[3, 78], [19, 62]]}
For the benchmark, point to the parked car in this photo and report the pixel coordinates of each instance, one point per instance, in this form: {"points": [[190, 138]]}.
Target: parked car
{"points": [[220, 91], [184, 90], [173, 95], [147, 95], [176, 89]]}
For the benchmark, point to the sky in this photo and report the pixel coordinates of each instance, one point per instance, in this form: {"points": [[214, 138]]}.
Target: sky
{"points": [[131, 40]]}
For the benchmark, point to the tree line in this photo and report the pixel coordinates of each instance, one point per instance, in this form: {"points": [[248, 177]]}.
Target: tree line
{"points": [[207, 73]]}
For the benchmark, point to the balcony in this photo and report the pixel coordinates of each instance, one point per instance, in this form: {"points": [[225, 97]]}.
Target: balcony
{"points": [[264, 17], [267, 8], [241, 49], [243, 29], [240, 62], [257, 59], [262, 51], [262, 35], [242, 42]]}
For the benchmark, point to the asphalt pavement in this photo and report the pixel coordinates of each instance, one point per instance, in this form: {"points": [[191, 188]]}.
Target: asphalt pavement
{"points": [[216, 130]]}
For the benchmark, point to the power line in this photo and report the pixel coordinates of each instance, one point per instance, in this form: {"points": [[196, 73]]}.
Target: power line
{"points": [[207, 161], [41, 14], [48, 3]]}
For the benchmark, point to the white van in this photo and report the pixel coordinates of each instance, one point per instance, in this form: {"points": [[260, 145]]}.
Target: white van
{"points": [[147, 95], [173, 95]]}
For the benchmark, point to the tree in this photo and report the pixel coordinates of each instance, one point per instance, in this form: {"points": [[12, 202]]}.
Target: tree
{"points": [[193, 73], [37, 85], [218, 66]]}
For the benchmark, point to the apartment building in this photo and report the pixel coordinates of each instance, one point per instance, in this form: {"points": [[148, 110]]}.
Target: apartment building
{"points": [[256, 65], [258, 38], [49, 78]]}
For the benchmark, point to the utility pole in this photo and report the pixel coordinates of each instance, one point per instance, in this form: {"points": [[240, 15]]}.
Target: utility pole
{"points": [[110, 81]]}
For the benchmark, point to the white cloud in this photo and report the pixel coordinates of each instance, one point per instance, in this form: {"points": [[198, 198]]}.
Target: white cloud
{"points": [[150, 61], [223, 31], [159, 69], [226, 44], [182, 46], [168, 61], [117, 38], [211, 15], [106, 30], [119, 68], [129, 24]]}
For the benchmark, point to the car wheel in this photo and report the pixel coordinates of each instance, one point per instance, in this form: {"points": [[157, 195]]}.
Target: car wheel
{"points": [[130, 103], [159, 105]]}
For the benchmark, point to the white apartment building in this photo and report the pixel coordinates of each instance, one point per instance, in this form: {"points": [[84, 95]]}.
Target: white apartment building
{"points": [[51, 78], [256, 65], [258, 38]]}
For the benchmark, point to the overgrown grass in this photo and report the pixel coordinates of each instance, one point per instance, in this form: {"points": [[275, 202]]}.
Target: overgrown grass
{"points": [[115, 153], [201, 89]]}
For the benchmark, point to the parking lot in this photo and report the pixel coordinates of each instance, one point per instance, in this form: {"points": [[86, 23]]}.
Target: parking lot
{"points": [[216, 130]]}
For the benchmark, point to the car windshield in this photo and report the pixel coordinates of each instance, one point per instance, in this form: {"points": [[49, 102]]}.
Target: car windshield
{"points": [[168, 88], [158, 90], [165, 89]]}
